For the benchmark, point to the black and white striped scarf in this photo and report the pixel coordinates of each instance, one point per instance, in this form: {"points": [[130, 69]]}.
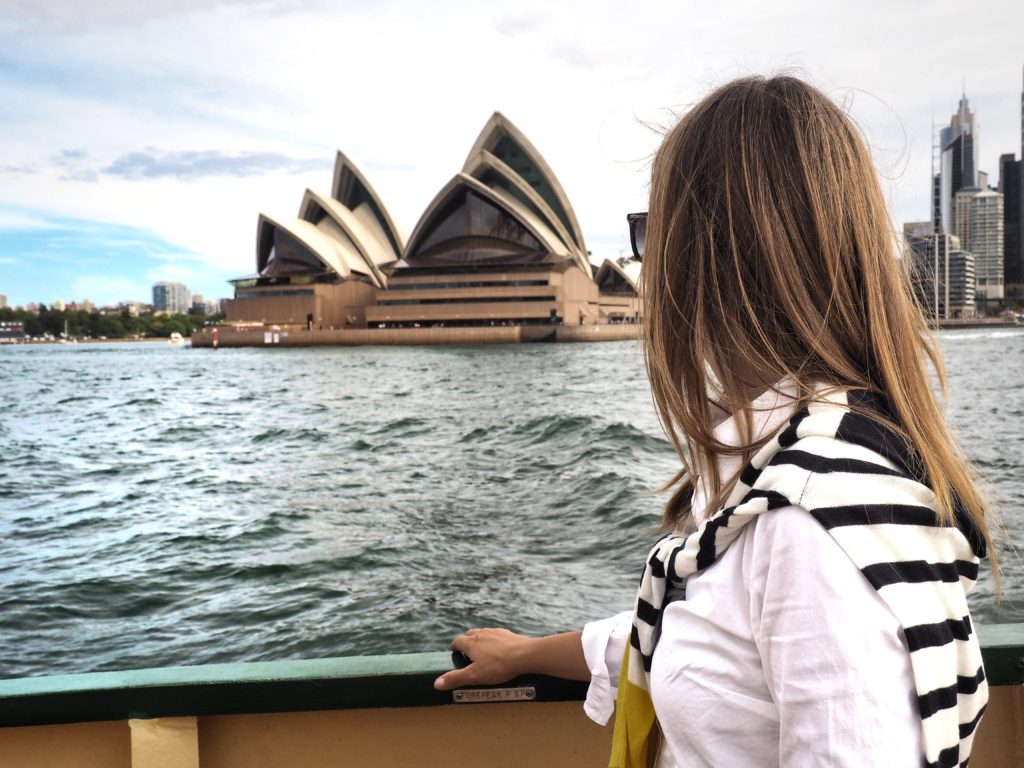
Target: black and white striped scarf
{"points": [[856, 479]]}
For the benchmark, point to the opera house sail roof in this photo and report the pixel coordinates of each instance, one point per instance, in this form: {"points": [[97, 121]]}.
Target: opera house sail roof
{"points": [[509, 146], [505, 207], [353, 191], [470, 224], [614, 280], [347, 235]]}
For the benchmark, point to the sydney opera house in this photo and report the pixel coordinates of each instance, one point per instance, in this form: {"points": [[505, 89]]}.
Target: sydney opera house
{"points": [[498, 255]]}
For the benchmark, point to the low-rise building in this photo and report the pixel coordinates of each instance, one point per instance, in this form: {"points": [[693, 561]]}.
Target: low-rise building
{"points": [[943, 275]]}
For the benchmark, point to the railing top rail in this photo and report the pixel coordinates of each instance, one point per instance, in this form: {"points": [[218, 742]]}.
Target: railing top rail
{"points": [[353, 682]]}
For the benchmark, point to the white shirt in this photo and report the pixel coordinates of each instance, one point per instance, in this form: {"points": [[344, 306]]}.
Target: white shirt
{"points": [[781, 654]]}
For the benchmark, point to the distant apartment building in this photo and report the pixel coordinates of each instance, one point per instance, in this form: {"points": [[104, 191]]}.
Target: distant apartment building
{"points": [[173, 298], [133, 307], [201, 306], [1011, 177], [962, 215], [942, 274], [917, 229], [986, 243], [3, 301]]}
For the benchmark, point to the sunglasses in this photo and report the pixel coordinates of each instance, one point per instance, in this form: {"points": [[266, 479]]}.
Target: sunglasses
{"points": [[637, 232]]}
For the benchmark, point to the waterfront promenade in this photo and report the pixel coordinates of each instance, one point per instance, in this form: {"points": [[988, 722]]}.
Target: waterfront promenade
{"points": [[498, 334]]}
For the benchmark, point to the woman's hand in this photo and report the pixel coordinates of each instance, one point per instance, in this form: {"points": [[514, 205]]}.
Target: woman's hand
{"points": [[498, 655]]}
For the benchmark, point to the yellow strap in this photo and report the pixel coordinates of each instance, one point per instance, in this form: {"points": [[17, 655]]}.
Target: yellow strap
{"points": [[632, 742]]}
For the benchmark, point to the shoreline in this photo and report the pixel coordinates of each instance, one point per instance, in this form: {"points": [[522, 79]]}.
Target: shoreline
{"points": [[231, 337], [227, 336], [956, 325], [19, 342]]}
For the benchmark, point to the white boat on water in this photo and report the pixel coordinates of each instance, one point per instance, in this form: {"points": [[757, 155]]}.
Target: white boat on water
{"points": [[176, 340]]}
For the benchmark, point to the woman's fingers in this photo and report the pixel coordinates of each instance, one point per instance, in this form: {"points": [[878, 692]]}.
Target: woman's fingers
{"points": [[492, 655], [457, 678]]}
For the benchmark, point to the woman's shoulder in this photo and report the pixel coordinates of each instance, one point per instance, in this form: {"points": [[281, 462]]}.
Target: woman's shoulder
{"points": [[793, 532]]}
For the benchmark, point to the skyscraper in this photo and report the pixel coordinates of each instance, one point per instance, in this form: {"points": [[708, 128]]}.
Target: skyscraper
{"points": [[1011, 184], [173, 298], [958, 165], [1011, 174]]}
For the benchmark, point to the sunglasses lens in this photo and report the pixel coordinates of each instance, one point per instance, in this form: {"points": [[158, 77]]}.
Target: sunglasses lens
{"points": [[637, 232], [639, 236]]}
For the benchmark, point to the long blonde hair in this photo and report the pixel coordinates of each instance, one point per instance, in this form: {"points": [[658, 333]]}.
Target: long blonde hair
{"points": [[770, 254]]}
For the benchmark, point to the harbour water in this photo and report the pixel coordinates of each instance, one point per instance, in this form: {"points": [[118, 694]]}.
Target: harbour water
{"points": [[163, 506]]}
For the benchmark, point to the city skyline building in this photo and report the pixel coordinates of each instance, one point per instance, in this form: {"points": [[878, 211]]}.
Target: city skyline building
{"points": [[1011, 176], [942, 273], [1011, 184], [173, 298], [3, 301], [201, 306], [986, 243], [962, 215], [958, 165]]}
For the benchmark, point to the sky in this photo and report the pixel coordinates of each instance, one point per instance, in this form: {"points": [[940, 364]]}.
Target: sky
{"points": [[139, 141]]}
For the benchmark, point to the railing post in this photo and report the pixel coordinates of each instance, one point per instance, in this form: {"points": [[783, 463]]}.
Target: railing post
{"points": [[165, 742]]}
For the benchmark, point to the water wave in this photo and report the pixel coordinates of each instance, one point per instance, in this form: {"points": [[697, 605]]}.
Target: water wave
{"points": [[165, 507]]}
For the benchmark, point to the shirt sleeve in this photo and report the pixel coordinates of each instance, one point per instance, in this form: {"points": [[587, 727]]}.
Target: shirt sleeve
{"points": [[834, 655], [604, 643]]}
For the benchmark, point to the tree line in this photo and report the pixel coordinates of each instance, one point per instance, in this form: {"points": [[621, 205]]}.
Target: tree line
{"points": [[121, 325]]}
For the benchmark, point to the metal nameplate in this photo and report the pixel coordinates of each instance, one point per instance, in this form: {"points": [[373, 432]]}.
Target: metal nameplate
{"points": [[486, 695]]}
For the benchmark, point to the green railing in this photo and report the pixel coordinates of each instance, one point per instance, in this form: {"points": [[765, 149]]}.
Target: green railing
{"points": [[355, 682]]}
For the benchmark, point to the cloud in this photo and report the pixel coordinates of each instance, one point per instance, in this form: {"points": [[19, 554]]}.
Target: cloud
{"points": [[190, 165], [74, 165], [182, 165], [23, 222], [69, 156], [520, 22], [70, 15], [187, 105]]}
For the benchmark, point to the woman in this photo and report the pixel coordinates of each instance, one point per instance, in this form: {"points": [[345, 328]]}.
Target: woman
{"points": [[809, 607]]}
